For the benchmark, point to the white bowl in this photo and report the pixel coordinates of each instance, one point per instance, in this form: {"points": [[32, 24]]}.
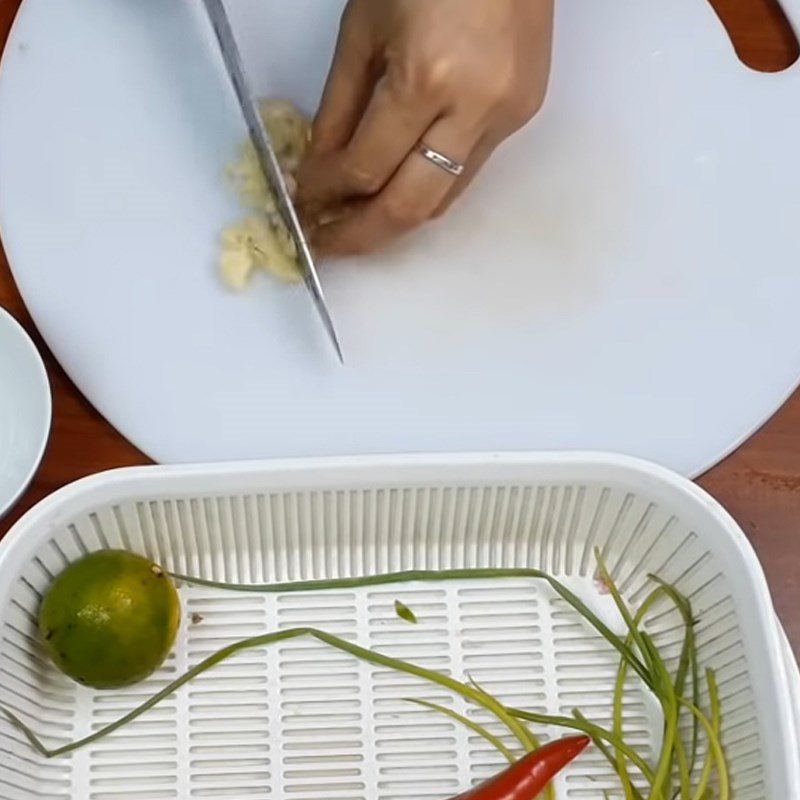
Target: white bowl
{"points": [[25, 410]]}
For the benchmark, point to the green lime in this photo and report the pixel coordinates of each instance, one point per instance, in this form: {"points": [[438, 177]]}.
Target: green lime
{"points": [[110, 619]]}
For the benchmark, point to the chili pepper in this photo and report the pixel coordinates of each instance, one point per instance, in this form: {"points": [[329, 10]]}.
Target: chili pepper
{"points": [[525, 778]]}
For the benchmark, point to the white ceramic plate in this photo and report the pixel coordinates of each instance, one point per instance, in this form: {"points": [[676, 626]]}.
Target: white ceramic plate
{"points": [[623, 276], [25, 410]]}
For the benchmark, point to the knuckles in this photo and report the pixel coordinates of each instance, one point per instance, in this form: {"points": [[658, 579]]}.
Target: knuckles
{"points": [[490, 87], [362, 181], [437, 76], [403, 212], [421, 78], [522, 108]]}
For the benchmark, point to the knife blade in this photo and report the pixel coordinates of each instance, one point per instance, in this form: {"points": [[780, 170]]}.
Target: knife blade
{"points": [[218, 17]]}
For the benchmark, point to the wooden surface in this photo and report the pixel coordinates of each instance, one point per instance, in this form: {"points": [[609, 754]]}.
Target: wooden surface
{"points": [[759, 484]]}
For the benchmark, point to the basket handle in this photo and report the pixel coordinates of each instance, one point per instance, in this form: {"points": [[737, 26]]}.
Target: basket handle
{"points": [[793, 675]]}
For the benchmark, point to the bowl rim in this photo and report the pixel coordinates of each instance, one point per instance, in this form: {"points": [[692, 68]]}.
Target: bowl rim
{"points": [[34, 360]]}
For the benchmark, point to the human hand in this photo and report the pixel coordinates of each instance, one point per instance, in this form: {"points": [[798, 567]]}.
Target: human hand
{"points": [[459, 75]]}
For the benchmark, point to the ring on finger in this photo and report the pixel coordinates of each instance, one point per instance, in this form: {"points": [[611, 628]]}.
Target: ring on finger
{"points": [[440, 159]]}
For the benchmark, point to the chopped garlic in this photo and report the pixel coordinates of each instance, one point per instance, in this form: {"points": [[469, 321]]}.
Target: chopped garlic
{"points": [[236, 266], [262, 240]]}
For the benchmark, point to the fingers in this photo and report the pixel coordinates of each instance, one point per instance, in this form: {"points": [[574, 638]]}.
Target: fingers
{"points": [[411, 197], [480, 155], [351, 81], [387, 133]]}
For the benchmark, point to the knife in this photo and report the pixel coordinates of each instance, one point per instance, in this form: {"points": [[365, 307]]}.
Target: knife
{"points": [[268, 160]]}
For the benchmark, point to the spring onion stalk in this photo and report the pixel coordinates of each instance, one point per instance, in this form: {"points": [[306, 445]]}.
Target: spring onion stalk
{"points": [[661, 788], [688, 660], [493, 740], [708, 764], [409, 576], [672, 690], [596, 732], [671, 744], [636, 649], [667, 692], [526, 739], [660, 682], [630, 791], [610, 585], [617, 727], [549, 792], [715, 745]]}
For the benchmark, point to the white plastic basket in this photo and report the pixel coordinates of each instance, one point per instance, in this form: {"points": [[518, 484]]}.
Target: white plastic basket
{"points": [[299, 721]]}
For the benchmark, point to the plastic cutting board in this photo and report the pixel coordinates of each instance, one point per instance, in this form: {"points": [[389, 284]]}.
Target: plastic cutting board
{"points": [[624, 275]]}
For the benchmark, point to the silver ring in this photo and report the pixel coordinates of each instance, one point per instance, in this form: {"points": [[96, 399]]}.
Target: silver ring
{"points": [[440, 160]]}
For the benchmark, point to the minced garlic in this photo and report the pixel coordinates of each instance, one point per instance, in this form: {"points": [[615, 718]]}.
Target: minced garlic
{"points": [[261, 240]]}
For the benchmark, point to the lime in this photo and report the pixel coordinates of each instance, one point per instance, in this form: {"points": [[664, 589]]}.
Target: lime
{"points": [[110, 619]]}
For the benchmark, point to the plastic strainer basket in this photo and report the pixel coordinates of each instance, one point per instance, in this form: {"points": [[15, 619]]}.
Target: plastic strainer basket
{"points": [[300, 721]]}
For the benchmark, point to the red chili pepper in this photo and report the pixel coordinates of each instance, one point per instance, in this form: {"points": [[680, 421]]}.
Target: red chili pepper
{"points": [[525, 778]]}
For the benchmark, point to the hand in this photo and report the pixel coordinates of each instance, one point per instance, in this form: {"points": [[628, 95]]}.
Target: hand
{"points": [[460, 75]]}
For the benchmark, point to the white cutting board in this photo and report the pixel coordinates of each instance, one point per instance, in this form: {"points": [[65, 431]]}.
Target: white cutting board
{"points": [[624, 276]]}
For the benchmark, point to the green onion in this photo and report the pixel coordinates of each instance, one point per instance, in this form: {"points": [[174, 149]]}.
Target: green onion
{"points": [[668, 692], [713, 752], [404, 612], [688, 660], [715, 746], [636, 650], [409, 576], [493, 740], [661, 789], [525, 737], [628, 788], [596, 732], [631, 793]]}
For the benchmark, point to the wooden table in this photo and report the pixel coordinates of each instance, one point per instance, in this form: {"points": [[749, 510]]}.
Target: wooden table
{"points": [[759, 484]]}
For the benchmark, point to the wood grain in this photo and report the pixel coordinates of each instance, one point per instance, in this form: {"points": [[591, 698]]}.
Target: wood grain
{"points": [[759, 484]]}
